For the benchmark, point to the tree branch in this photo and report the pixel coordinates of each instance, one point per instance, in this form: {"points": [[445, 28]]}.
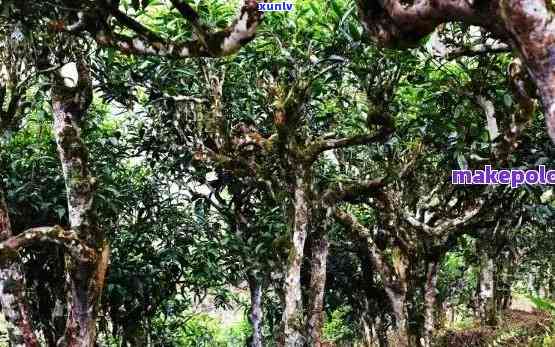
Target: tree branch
{"points": [[444, 225], [132, 24], [191, 15], [416, 223], [449, 224], [181, 98], [477, 51], [393, 23], [527, 25], [56, 234], [350, 192], [323, 144], [376, 255], [217, 44]]}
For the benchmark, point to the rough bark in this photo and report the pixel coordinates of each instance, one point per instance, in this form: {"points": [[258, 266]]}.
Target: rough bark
{"points": [[393, 275], [505, 278], [293, 315], [255, 314], [318, 262], [85, 276], [398, 302], [396, 287], [12, 291], [527, 25], [98, 21], [430, 303], [531, 26], [487, 308]]}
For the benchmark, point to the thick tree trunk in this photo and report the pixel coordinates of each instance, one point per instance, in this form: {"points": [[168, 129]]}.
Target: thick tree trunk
{"points": [[293, 316], [86, 277], [53, 309], [12, 291], [505, 279], [400, 312], [255, 314], [486, 291], [430, 302], [318, 267], [397, 290], [87, 281]]}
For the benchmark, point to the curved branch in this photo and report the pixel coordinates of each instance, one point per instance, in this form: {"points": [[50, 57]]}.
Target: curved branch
{"points": [[377, 257], [479, 50], [56, 234], [443, 225], [132, 24], [217, 44], [350, 192], [393, 23], [528, 26], [191, 15], [416, 223], [449, 224], [323, 144]]}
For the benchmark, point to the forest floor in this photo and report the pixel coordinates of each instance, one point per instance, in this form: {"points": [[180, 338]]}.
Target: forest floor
{"points": [[517, 328], [520, 326]]}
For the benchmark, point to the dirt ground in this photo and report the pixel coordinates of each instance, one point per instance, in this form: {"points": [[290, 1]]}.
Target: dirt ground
{"points": [[517, 328]]}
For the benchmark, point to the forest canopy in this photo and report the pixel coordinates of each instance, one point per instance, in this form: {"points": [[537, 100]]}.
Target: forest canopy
{"points": [[208, 173]]}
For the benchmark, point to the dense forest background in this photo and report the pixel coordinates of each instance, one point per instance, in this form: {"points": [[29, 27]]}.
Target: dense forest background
{"points": [[199, 173]]}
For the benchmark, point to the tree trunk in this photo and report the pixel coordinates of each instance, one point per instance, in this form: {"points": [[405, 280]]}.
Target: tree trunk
{"points": [[400, 312], [430, 302], [85, 277], [551, 282], [397, 289], [255, 314], [367, 333], [293, 317], [505, 279], [54, 315], [320, 248], [381, 331], [397, 292], [12, 291], [486, 291]]}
